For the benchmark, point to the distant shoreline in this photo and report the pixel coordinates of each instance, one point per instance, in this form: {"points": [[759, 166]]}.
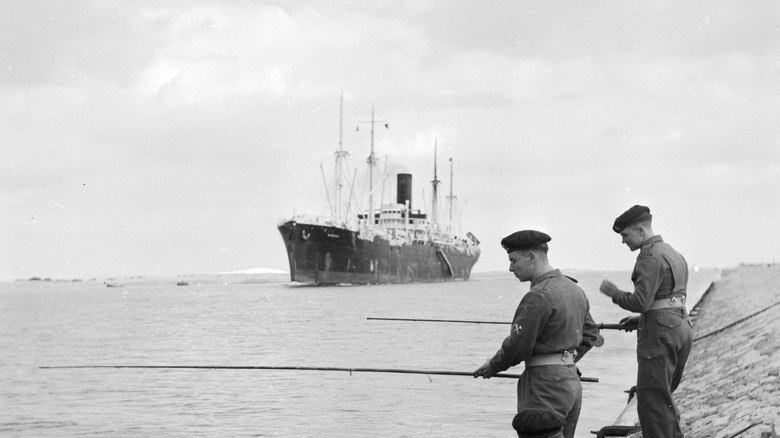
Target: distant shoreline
{"points": [[272, 272]]}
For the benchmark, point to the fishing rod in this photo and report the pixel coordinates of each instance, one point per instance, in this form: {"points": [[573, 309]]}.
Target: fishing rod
{"points": [[439, 320], [601, 326], [626, 327], [286, 368]]}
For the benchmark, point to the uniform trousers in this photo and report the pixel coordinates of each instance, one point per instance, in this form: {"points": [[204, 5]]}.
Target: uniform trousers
{"points": [[549, 398], [664, 339]]}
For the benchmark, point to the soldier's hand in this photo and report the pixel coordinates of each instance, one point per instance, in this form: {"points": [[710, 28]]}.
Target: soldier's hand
{"points": [[608, 288], [631, 323], [487, 370]]}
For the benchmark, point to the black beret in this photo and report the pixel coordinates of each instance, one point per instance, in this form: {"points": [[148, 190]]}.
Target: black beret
{"points": [[525, 239], [631, 216]]}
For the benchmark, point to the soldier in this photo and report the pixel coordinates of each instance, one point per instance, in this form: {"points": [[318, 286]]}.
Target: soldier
{"points": [[664, 331], [551, 330]]}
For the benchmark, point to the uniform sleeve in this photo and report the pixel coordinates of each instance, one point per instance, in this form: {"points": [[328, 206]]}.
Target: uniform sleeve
{"points": [[647, 277], [590, 336], [530, 317]]}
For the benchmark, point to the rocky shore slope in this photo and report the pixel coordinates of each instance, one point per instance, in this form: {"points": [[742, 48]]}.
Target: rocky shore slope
{"points": [[731, 384]]}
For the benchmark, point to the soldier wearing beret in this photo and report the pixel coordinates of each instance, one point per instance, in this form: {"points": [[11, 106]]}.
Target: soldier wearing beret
{"points": [[664, 331], [551, 330]]}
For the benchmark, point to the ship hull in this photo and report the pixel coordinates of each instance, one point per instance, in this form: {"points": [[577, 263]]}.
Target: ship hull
{"points": [[321, 254]]}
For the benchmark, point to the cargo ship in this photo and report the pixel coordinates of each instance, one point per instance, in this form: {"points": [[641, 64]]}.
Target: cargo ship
{"points": [[395, 243]]}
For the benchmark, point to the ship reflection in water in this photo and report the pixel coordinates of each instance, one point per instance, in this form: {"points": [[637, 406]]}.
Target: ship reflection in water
{"points": [[397, 244]]}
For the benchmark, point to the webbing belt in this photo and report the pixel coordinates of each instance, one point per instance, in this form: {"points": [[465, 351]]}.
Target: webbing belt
{"points": [[565, 358], [667, 303]]}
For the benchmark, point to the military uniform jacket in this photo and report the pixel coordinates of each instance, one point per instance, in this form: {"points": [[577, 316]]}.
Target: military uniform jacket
{"points": [[660, 272], [553, 317]]}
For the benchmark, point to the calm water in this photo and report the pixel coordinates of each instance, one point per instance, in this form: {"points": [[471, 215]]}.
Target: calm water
{"points": [[222, 321]]}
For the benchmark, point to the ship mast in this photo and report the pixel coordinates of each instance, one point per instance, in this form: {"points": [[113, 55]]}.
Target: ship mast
{"points": [[341, 155], [372, 160], [451, 200], [435, 183]]}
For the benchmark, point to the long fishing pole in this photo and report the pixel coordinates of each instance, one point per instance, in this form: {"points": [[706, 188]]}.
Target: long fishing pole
{"points": [[601, 326], [626, 327], [439, 320], [350, 370]]}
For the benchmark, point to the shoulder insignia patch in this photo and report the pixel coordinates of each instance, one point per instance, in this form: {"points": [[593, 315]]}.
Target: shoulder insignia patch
{"points": [[523, 311]]}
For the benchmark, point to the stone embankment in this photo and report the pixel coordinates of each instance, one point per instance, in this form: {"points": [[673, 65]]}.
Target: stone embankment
{"points": [[731, 384]]}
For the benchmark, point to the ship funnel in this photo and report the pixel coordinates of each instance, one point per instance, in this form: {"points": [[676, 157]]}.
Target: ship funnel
{"points": [[404, 189]]}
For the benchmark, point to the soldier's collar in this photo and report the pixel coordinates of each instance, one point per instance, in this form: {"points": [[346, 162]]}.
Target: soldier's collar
{"points": [[655, 239], [545, 276]]}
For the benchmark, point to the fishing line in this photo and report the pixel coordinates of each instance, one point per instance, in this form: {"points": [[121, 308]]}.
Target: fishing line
{"points": [[740, 321]]}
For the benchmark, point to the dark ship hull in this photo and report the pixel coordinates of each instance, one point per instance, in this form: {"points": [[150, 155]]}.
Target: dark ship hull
{"points": [[394, 244], [322, 254]]}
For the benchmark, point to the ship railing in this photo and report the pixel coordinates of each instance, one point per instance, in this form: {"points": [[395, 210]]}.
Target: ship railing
{"points": [[319, 220]]}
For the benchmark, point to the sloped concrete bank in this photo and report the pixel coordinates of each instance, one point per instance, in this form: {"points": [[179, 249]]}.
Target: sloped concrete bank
{"points": [[731, 384]]}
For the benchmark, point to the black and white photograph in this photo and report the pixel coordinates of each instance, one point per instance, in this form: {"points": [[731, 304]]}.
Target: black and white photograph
{"points": [[389, 218]]}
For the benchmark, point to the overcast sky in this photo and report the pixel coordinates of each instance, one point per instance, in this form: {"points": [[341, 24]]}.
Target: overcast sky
{"points": [[170, 137]]}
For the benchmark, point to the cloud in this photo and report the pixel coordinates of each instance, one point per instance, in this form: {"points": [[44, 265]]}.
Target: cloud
{"points": [[168, 128]]}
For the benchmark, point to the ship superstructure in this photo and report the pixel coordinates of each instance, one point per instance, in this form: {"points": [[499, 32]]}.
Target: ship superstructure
{"points": [[393, 244]]}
